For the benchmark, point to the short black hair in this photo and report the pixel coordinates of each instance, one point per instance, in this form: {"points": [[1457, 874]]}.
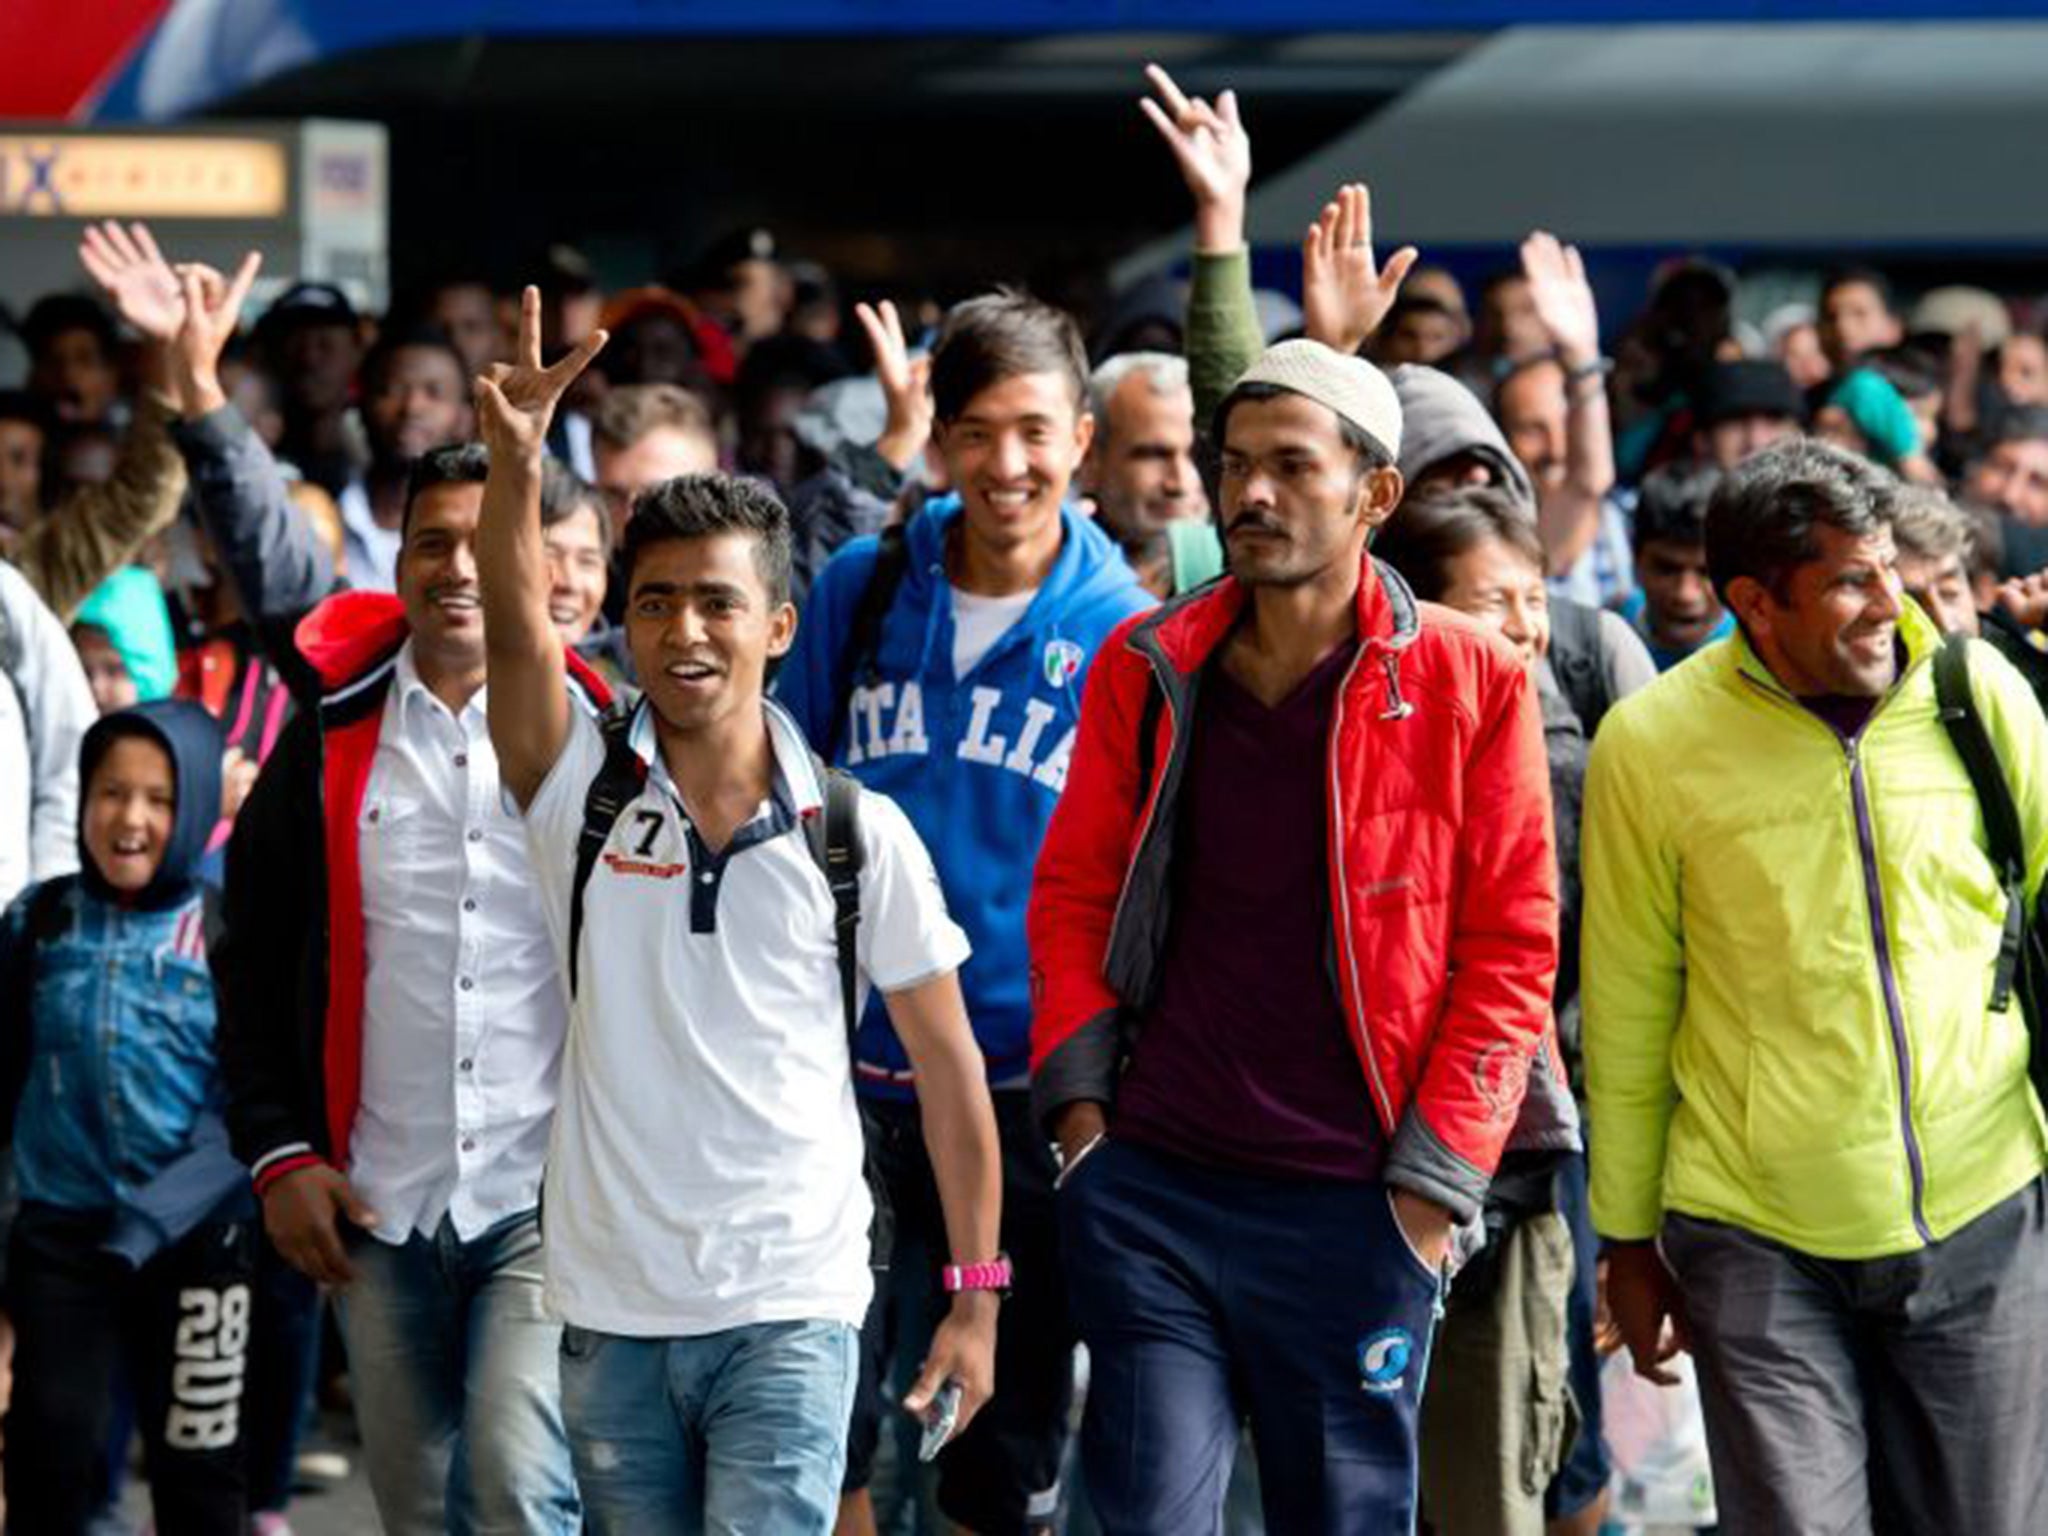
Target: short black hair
{"points": [[1672, 502], [2018, 424], [1004, 335], [20, 405], [1521, 368], [57, 313], [1499, 278], [1762, 518], [564, 493], [1913, 372], [1372, 454], [1419, 304], [785, 361], [701, 506], [452, 464], [415, 338], [1428, 532], [1869, 277]]}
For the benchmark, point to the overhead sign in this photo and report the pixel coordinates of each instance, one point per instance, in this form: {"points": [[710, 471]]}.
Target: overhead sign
{"points": [[311, 196], [94, 176]]}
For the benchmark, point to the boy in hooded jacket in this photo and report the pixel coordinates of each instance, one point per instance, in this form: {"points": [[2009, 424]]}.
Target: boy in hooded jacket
{"points": [[132, 1250]]}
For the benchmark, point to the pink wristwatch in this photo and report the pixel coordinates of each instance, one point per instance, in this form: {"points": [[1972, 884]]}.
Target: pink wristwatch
{"points": [[989, 1275]]}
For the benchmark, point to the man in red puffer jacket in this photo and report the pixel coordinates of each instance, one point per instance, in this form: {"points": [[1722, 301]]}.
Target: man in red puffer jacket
{"points": [[1293, 935]]}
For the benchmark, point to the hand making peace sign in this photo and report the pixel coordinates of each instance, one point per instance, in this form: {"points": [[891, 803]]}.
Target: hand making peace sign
{"points": [[515, 402]]}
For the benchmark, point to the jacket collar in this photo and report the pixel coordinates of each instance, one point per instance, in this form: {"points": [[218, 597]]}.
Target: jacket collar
{"points": [[797, 783], [1917, 635], [1187, 630], [353, 638]]}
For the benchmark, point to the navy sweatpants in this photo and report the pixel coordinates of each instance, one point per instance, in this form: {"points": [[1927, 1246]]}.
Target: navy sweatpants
{"points": [[1205, 1297]]}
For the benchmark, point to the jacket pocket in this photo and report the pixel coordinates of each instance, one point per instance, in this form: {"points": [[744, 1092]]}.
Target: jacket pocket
{"points": [[1430, 1275]]}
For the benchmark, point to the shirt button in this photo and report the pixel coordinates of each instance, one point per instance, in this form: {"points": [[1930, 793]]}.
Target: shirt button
{"points": [[462, 759], [469, 903], [468, 983], [708, 878], [476, 834], [465, 1064], [469, 1143]]}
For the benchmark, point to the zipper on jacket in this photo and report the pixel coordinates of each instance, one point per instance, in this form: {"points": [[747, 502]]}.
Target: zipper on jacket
{"points": [[1895, 1013], [1152, 798], [1873, 890], [1341, 909]]}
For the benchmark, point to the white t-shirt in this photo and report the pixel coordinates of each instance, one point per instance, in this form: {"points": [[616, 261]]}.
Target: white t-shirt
{"points": [[705, 1171], [979, 622]]}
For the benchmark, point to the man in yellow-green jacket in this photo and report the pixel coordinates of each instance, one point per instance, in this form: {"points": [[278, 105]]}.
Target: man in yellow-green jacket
{"points": [[1816, 1157]]}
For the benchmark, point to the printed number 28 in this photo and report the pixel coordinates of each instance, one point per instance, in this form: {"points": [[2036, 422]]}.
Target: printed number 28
{"points": [[206, 1375]]}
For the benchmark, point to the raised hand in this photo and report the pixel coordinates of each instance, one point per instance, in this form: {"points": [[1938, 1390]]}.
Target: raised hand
{"points": [[906, 384], [1345, 293], [1563, 298], [211, 308], [132, 271], [1214, 153], [2026, 599], [515, 402]]}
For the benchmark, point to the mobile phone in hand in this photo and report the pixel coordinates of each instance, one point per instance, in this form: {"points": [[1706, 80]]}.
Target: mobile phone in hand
{"points": [[939, 1420]]}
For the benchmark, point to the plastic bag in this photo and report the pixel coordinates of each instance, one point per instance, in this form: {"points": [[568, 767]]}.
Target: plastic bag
{"points": [[1657, 1438]]}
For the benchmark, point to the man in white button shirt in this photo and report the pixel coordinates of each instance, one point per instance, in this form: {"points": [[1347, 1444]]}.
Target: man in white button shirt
{"points": [[396, 1013], [708, 1223]]}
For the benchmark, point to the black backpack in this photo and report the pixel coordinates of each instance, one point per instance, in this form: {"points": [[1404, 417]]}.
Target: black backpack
{"points": [[2023, 950], [864, 635], [834, 842], [1576, 661]]}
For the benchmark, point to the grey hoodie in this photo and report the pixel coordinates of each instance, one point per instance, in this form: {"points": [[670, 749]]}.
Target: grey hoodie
{"points": [[1441, 417]]}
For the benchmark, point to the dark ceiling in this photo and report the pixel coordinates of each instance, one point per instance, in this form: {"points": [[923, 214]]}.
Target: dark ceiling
{"points": [[931, 162]]}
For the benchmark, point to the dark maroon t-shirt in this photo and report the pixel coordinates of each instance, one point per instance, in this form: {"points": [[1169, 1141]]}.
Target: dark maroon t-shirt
{"points": [[1245, 1060]]}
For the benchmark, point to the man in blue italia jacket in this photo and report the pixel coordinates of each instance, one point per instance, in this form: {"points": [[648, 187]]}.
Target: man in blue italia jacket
{"points": [[942, 664]]}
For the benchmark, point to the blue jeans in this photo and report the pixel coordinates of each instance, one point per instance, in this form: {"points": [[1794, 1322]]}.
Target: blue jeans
{"points": [[740, 1431], [453, 1366]]}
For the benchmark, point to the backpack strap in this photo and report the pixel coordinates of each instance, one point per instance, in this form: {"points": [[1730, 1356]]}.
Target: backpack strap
{"points": [[1577, 663], [834, 840], [616, 784], [1958, 708], [864, 635]]}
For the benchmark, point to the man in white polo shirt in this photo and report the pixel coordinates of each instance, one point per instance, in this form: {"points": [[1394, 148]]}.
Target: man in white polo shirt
{"points": [[706, 1216]]}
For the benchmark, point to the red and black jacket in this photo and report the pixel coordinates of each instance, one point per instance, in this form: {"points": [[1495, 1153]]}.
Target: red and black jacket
{"points": [[1443, 875], [290, 966]]}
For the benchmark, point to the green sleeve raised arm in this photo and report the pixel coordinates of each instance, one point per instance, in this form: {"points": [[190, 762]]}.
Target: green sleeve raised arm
{"points": [[1223, 337]]}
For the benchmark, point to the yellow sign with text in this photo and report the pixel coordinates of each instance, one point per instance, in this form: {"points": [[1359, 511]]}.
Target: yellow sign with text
{"points": [[90, 176]]}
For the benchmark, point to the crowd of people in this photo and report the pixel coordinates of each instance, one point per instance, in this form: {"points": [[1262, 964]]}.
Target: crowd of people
{"points": [[1217, 923]]}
